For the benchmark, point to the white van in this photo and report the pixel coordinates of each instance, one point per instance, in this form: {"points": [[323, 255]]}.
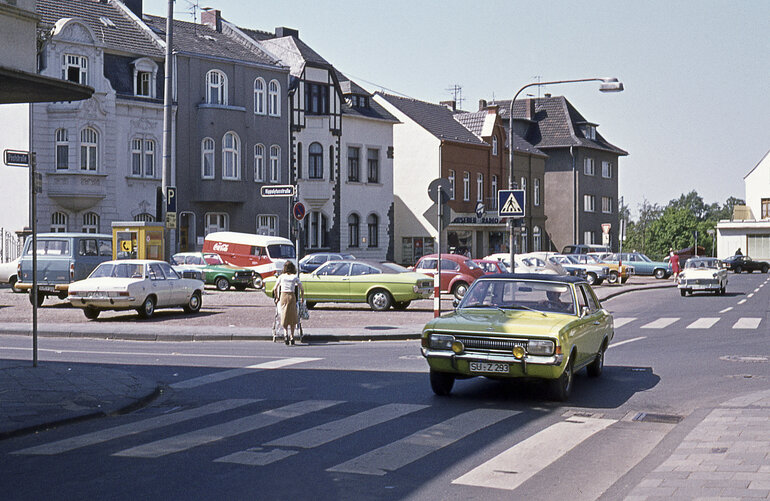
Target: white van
{"points": [[264, 254]]}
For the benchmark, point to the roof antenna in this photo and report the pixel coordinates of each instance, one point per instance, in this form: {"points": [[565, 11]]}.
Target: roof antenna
{"points": [[457, 95]]}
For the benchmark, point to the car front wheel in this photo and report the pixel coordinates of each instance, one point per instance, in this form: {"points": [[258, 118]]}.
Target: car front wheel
{"points": [[660, 274], [222, 284], [460, 289], [379, 300], [562, 387], [194, 304], [147, 308], [441, 383], [613, 278], [765, 268], [591, 278], [738, 269]]}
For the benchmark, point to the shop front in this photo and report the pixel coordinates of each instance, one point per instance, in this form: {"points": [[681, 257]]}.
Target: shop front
{"points": [[475, 236]]}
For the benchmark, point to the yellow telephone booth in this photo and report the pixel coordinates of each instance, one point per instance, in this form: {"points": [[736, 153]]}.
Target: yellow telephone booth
{"points": [[137, 240]]}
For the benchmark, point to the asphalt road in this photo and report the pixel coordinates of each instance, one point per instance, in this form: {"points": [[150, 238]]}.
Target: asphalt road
{"points": [[256, 420]]}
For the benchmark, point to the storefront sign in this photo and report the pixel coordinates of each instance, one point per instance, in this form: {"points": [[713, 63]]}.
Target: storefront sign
{"points": [[477, 220]]}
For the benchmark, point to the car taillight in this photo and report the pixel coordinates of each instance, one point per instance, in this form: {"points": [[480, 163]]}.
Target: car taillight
{"points": [[72, 272]]}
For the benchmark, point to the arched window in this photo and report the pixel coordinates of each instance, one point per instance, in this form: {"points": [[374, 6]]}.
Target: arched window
{"points": [[274, 99], [373, 223], [62, 149], [315, 161], [259, 162], [207, 158], [451, 184], [58, 222], [466, 186], [259, 96], [480, 187], [275, 163], [91, 222], [231, 156], [494, 145], [353, 235], [144, 216], [216, 87], [494, 191], [524, 238], [536, 195], [537, 239], [89, 149]]}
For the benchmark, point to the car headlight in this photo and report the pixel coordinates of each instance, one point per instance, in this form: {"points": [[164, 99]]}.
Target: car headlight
{"points": [[540, 347], [441, 341]]}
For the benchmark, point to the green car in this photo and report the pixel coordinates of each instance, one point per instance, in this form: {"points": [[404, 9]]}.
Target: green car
{"points": [[382, 285], [543, 327], [214, 270]]}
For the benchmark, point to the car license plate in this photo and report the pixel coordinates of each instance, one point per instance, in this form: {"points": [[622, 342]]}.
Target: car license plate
{"points": [[46, 288], [489, 367]]}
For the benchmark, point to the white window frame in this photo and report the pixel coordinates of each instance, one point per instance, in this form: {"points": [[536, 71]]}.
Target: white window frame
{"points": [[89, 149], [274, 98], [373, 230], [372, 165], [62, 149], [588, 237], [354, 230], [451, 184], [259, 96], [523, 184], [589, 203], [494, 191], [354, 164], [537, 239], [607, 205], [494, 145], [315, 161], [589, 168], [607, 170], [259, 162], [231, 156], [143, 157], [208, 158], [275, 163], [479, 187], [59, 222], [90, 222], [75, 61], [216, 87], [216, 221], [536, 192], [267, 224], [466, 186]]}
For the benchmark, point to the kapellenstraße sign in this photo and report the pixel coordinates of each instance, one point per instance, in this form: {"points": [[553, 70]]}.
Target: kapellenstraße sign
{"points": [[16, 158]]}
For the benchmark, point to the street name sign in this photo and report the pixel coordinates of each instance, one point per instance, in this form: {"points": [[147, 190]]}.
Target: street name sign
{"points": [[15, 158], [280, 190]]}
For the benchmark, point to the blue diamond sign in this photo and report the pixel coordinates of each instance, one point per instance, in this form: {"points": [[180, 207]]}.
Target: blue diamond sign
{"points": [[511, 203]]}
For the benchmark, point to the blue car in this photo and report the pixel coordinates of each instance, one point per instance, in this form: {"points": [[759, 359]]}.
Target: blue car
{"points": [[642, 264]]}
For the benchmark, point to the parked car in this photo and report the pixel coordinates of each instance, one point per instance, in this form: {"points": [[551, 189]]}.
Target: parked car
{"points": [[312, 261], [62, 258], [491, 266], [519, 326], [9, 273], [618, 271], [214, 270], [457, 272], [596, 272], [552, 266], [593, 273], [382, 285], [584, 249], [642, 264], [740, 263], [265, 254], [702, 274], [141, 284]]}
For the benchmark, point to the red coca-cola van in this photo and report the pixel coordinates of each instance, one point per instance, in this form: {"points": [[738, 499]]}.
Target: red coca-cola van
{"points": [[264, 254]]}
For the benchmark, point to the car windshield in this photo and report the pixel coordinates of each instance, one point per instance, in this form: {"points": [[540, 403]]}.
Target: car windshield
{"points": [[118, 270], [644, 258], [693, 264], [281, 251], [548, 297], [333, 268], [213, 259]]}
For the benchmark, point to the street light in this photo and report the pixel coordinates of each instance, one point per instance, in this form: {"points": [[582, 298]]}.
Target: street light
{"points": [[608, 85]]}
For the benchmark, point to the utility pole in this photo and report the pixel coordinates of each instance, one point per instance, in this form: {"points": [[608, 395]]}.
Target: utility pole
{"points": [[168, 177]]}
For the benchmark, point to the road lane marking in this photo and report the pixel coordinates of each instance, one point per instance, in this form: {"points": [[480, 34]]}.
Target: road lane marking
{"points": [[726, 309], [621, 321], [228, 374], [660, 323], [742, 301], [210, 434], [100, 436], [398, 454], [747, 323], [319, 435], [620, 343], [750, 295], [514, 466], [153, 354], [704, 323]]}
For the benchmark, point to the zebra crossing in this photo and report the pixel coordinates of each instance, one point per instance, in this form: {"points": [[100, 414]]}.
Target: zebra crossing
{"points": [[743, 323], [257, 447]]}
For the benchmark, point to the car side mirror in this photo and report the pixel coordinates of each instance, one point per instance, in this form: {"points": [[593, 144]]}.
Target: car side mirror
{"points": [[583, 311]]}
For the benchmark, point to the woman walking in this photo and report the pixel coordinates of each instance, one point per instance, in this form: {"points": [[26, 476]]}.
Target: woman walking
{"points": [[289, 287]]}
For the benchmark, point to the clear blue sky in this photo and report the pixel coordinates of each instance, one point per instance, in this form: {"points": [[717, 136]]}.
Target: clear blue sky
{"points": [[695, 113]]}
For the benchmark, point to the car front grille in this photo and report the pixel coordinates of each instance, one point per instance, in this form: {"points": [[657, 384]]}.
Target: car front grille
{"points": [[242, 275], [490, 344], [701, 281]]}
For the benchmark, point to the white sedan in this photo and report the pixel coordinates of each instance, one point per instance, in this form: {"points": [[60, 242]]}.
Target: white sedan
{"points": [[8, 273], [702, 274], [139, 284]]}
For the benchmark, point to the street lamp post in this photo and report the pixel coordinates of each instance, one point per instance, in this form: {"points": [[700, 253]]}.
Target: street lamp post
{"points": [[608, 85]]}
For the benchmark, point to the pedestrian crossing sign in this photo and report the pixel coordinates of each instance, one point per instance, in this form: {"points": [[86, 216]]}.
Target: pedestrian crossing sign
{"points": [[511, 203]]}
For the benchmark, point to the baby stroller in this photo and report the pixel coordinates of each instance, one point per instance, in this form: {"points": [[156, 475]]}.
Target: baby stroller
{"points": [[277, 327]]}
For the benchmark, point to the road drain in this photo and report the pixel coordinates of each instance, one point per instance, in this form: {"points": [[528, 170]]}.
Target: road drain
{"points": [[657, 418]]}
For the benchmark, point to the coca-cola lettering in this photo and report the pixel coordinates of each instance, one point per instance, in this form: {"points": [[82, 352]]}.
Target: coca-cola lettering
{"points": [[221, 247]]}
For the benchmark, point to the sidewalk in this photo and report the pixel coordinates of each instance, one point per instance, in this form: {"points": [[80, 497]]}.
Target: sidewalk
{"points": [[34, 398]]}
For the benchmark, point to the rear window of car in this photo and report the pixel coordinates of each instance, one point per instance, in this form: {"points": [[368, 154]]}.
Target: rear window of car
{"points": [[51, 247], [281, 251]]}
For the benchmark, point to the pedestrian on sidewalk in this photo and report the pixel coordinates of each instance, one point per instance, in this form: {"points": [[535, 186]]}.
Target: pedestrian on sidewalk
{"points": [[674, 258], [290, 291]]}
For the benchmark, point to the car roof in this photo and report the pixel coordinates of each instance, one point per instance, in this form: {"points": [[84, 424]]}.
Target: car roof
{"points": [[535, 276]]}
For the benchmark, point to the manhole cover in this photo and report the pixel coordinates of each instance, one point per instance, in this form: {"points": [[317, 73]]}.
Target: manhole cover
{"points": [[746, 358], [657, 418]]}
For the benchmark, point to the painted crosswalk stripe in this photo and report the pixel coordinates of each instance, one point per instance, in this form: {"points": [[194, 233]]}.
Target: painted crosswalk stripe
{"points": [[747, 323], [703, 323], [621, 321], [210, 434], [513, 467], [742, 301], [398, 454], [228, 374], [319, 435], [660, 323], [152, 423], [726, 309]]}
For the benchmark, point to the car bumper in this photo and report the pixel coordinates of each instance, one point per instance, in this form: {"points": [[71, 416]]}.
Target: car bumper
{"points": [[105, 303], [45, 288], [700, 285], [530, 366]]}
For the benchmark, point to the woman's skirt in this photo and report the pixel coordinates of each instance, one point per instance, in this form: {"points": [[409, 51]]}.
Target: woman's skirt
{"points": [[288, 304]]}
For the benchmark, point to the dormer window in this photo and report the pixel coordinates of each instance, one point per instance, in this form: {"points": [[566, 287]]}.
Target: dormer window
{"points": [[358, 101], [145, 71], [589, 131], [75, 68]]}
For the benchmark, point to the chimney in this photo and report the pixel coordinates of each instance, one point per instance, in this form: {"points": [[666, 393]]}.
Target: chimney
{"points": [[482, 104], [283, 31], [452, 105], [134, 6], [213, 18], [530, 111]]}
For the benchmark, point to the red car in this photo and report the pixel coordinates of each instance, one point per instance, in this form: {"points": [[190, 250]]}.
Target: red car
{"points": [[491, 266], [457, 272]]}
